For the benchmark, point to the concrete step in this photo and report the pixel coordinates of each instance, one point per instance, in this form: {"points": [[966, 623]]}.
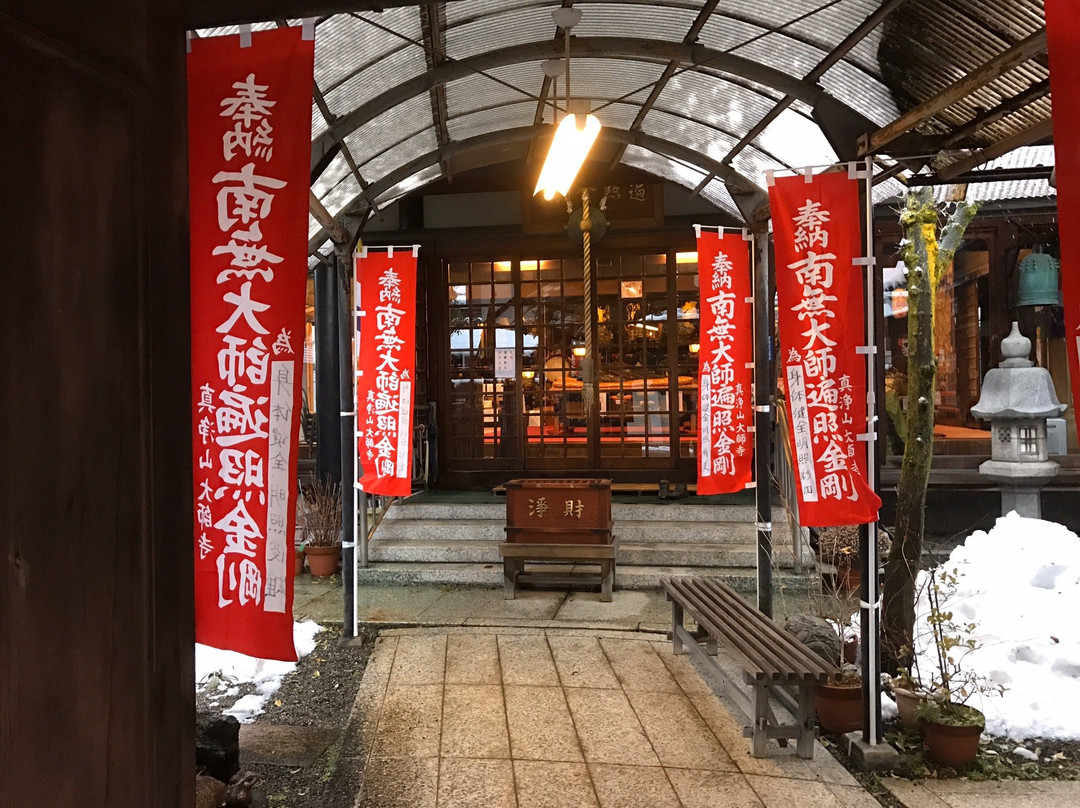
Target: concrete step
{"points": [[490, 575], [442, 531], [669, 512], [680, 554]]}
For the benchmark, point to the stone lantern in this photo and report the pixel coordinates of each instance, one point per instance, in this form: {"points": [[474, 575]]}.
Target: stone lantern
{"points": [[1017, 398]]}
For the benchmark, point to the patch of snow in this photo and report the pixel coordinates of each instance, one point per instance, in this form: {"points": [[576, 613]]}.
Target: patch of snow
{"points": [[1020, 584], [230, 669]]}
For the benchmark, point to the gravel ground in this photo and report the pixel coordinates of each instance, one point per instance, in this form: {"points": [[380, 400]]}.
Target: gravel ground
{"points": [[997, 760], [319, 693]]}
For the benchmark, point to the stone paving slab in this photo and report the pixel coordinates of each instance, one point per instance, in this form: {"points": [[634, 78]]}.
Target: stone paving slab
{"points": [[480, 604], [284, 744], [983, 794]]}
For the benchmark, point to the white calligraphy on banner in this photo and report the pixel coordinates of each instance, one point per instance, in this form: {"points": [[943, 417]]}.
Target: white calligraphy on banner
{"points": [[237, 414], [820, 403], [387, 412], [721, 396]]}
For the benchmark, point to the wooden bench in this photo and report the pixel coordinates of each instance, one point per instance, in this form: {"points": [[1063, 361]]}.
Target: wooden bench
{"points": [[515, 555], [774, 663]]}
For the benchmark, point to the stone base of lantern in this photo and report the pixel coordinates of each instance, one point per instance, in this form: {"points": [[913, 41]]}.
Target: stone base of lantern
{"points": [[1020, 484]]}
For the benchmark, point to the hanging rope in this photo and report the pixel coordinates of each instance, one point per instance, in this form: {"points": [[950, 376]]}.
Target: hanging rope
{"points": [[588, 389]]}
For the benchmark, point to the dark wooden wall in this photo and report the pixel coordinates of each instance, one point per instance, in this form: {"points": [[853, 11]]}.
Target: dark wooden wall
{"points": [[96, 634]]}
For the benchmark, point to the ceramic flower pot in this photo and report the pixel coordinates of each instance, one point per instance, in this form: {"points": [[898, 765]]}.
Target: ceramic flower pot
{"points": [[954, 746], [907, 702], [323, 561], [839, 707]]}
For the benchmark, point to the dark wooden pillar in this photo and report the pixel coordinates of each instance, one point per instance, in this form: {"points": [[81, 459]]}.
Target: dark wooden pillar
{"points": [[328, 296], [96, 610]]}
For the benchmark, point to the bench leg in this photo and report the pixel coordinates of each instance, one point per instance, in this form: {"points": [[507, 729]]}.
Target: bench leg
{"points": [[510, 571], [804, 747], [759, 743], [607, 579], [676, 624]]}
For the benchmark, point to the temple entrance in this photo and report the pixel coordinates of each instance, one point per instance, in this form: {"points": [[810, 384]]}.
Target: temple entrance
{"points": [[516, 342]]}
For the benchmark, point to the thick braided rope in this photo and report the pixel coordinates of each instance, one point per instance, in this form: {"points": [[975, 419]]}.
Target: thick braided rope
{"points": [[588, 376]]}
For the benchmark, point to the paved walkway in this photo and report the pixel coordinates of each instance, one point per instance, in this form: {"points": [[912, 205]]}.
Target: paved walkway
{"points": [[555, 699], [530, 717]]}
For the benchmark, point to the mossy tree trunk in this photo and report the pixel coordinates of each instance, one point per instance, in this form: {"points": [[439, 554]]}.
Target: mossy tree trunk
{"points": [[926, 258]]}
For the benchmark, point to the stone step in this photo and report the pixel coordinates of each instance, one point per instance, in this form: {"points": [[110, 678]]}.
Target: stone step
{"points": [[490, 575], [443, 531], [620, 512], [629, 553]]}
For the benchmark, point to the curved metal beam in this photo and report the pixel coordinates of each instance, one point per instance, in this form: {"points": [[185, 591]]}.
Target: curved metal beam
{"points": [[492, 141], [695, 57]]}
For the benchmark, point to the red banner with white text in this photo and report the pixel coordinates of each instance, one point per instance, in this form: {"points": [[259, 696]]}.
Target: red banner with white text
{"points": [[1063, 45], [725, 353], [249, 136], [386, 365], [821, 312]]}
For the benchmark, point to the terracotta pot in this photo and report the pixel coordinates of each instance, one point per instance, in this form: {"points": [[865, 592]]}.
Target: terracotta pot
{"points": [[323, 561], [848, 577], [839, 708], [907, 702], [953, 746]]}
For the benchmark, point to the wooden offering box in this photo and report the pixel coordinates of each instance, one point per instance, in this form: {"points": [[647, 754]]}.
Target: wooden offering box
{"points": [[558, 511]]}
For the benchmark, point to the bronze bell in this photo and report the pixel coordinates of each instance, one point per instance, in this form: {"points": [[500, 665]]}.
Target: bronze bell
{"points": [[1038, 285]]}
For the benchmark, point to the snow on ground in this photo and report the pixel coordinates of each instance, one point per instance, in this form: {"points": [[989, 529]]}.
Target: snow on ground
{"points": [[228, 670], [1020, 583]]}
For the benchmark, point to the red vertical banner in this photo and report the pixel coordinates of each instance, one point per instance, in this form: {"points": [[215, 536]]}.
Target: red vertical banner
{"points": [[820, 307], [249, 133], [1063, 44], [386, 369], [725, 354]]}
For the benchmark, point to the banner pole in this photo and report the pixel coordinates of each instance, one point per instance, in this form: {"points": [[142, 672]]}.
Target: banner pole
{"points": [[869, 586], [762, 420], [346, 410], [360, 500]]}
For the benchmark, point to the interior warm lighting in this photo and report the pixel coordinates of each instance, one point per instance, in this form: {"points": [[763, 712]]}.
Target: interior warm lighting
{"points": [[579, 350], [529, 266], [695, 347], [503, 266], [569, 148], [686, 258], [528, 374]]}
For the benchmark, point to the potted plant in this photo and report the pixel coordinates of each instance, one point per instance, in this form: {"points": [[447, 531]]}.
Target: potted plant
{"points": [[322, 526], [840, 702], [952, 727], [839, 547]]}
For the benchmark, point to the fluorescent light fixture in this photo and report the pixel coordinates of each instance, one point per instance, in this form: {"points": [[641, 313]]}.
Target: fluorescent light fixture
{"points": [[569, 148]]}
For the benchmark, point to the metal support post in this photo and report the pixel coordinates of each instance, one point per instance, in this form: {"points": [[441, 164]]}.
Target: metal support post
{"points": [[346, 427], [763, 387], [869, 586]]}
